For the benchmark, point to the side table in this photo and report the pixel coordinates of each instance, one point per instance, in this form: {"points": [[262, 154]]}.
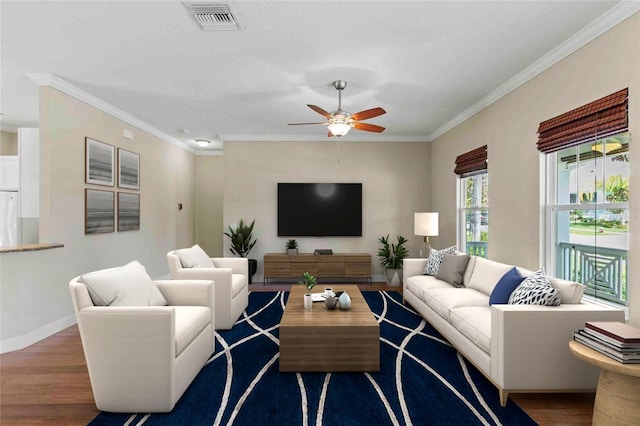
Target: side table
{"points": [[618, 394]]}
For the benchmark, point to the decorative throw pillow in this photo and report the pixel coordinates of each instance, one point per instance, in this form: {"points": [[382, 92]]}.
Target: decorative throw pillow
{"points": [[452, 268], [194, 257], [129, 285], [535, 290], [505, 286], [435, 259]]}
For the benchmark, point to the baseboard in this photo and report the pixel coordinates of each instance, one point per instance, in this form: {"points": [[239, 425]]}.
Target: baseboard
{"points": [[20, 342]]}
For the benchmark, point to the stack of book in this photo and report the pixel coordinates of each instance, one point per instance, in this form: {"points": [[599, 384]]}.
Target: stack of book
{"points": [[613, 339]]}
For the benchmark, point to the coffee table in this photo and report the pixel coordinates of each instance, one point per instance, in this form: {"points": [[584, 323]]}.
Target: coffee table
{"points": [[323, 340]]}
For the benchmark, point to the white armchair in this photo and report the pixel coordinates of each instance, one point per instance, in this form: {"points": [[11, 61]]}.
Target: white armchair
{"points": [[231, 281], [141, 359]]}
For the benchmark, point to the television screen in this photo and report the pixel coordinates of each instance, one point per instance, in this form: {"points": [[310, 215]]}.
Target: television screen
{"points": [[319, 209]]}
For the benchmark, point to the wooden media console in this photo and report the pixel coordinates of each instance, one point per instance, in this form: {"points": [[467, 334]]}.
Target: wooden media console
{"points": [[338, 265]]}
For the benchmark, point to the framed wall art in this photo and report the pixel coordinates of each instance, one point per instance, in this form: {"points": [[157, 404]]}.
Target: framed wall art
{"points": [[99, 162], [128, 169], [128, 211], [99, 211]]}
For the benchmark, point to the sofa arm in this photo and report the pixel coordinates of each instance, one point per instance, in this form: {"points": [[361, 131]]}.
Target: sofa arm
{"points": [[411, 267], [529, 345], [188, 292], [238, 265]]}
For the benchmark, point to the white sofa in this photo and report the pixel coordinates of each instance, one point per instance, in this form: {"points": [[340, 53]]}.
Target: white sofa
{"points": [[231, 280], [519, 348], [141, 359]]}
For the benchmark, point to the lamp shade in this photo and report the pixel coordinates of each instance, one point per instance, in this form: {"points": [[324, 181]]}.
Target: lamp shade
{"points": [[425, 224]]}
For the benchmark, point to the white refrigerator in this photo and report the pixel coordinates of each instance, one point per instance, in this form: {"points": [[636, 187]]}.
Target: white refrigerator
{"points": [[9, 235]]}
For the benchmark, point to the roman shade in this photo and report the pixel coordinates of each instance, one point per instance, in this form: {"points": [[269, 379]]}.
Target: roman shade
{"points": [[592, 121], [471, 162]]}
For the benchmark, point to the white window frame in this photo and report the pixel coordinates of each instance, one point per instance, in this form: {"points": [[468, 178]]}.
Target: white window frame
{"points": [[550, 208], [461, 202]]}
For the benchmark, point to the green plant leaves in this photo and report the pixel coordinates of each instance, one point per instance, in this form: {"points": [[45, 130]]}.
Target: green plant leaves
{"points": [[392, 255], [241, 239]]}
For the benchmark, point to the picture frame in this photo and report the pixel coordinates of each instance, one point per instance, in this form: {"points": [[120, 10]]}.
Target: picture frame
{"points": [[128, 169], [99, 162], [128, 211], [99, 211]]}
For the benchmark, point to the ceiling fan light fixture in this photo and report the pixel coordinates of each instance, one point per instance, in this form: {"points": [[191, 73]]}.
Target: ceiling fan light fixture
{"points": [[203, 142], [339, 129]]}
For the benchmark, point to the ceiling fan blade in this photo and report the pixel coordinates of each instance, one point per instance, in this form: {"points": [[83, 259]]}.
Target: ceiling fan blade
{"points": [[369, 127], [319, 110], [330, 135], [369, 113], [304, 124]]}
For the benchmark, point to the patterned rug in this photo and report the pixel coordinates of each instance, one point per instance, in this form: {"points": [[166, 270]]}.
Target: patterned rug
{"points": [[423, 380]]}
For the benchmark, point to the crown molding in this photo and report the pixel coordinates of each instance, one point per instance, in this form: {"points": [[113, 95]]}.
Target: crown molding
{"points": [[71, 90], [323, 138], [604, 23]]}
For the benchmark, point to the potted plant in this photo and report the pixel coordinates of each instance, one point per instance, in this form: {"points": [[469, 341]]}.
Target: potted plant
{"points": [[310, 282], [391, 257], [292, 247], [242, 242]]}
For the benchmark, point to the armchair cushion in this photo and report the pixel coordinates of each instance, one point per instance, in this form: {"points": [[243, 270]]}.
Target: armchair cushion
{"points": [[129, 285], [238, 283], [190, 321], [194, 257]]}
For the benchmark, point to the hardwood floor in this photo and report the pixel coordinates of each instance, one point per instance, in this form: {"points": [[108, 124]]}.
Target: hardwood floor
{"points": [[48, 383]]}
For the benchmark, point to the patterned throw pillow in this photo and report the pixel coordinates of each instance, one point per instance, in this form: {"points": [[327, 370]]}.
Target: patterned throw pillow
{"points": [[535, 290], [435, 259]]}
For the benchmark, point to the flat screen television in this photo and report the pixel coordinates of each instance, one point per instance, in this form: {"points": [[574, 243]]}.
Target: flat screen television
{"points": [[319, 209]]}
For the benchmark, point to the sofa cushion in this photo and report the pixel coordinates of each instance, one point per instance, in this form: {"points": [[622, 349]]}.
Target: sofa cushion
{"points": [[486, 274], [129, 285], [475, 323], [194, 257], [466, 277], [238, 282], [452, 268], [435, 259], [442, 300], [570, 291], [509, 282], [419, 283], [190, 321], [535, 290]]}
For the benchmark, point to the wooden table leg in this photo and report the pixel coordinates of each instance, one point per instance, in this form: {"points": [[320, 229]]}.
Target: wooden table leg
{"points": [[617, 399]]}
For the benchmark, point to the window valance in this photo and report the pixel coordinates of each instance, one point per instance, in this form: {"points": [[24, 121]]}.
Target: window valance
{"points": [[594, 120], [471, 162]]}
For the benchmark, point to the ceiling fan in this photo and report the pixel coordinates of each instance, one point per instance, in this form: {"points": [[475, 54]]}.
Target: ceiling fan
{"points": [[340, 122]]}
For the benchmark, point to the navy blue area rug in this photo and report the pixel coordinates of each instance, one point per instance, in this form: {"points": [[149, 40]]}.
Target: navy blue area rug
{"points": [[423, 380]]}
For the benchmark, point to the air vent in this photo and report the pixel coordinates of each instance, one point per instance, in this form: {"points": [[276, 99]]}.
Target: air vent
{"points": [[214, 16]]}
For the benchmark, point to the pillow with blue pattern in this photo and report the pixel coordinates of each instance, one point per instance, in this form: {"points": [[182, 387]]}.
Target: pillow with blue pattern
{"points": [[535, 290]]}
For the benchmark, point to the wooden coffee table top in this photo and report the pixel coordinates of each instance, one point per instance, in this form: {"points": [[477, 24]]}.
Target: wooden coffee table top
{"points": [[295, 315]]}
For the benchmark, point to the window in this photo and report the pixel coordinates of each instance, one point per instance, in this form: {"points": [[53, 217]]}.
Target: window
{"points": [[587, 209], [473, 205], [473, 234], [588, 216]]}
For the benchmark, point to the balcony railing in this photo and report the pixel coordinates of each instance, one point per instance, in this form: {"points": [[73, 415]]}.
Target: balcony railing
{"points": [[603, 270], [477, 248]]}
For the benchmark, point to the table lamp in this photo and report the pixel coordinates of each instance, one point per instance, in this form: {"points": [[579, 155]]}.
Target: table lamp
{"points": [[426, 225]]}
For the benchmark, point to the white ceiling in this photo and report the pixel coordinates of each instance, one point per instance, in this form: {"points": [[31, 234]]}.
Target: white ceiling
{"points": [[426, 63]]}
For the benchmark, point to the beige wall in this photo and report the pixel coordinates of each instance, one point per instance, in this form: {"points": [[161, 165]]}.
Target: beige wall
{"points": [[509, 126], [208, 199], [394, 177], [8, 143], [34, 288]]}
